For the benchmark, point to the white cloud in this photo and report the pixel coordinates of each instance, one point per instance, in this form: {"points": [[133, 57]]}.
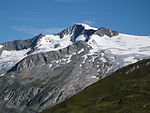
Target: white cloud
{"points": [[36, 31], [89, 22]]}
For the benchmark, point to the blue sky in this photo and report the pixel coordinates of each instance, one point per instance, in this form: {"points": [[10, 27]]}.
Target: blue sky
{"points": [[23, 19]]}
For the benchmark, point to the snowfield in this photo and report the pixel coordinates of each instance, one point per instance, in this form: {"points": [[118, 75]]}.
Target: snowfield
{"points": [[52, 43], [9, 58], [1, 46], [127, 48], [123, 44]]}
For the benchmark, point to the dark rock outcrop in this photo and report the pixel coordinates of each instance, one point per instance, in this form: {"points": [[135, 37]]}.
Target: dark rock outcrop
{"points": [[103, 31], [21, 44]]}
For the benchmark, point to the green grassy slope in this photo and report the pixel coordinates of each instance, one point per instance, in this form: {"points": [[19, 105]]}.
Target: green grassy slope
{"points": [[125, 91]]}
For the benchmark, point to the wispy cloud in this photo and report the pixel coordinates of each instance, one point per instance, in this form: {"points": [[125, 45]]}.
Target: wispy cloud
{"points": [[89, 22], [35, 31]]}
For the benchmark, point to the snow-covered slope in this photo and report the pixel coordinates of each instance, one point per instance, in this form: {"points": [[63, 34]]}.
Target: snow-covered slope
{"points": [[52, 43], [123, 44], [9, 58], [125, 49], [1, 46]]}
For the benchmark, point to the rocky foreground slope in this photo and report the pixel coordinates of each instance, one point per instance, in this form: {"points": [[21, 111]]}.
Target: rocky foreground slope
{"points": [[48, 69], [125, 91]]}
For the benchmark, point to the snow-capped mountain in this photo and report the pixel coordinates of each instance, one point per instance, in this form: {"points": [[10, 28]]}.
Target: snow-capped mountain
{"points": [[127, 48], [48, 69]]}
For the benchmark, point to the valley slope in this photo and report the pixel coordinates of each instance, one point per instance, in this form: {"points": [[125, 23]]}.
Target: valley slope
{"points": [[125, 91]]}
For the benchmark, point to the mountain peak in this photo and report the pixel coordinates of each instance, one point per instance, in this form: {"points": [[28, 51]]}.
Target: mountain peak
{"points": [[77, 30], [87, 27]]}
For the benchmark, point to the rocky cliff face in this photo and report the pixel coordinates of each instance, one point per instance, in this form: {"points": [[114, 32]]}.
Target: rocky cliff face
{"points": [[49, 57], [46, 70], [21, 44], [45, 79]]}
